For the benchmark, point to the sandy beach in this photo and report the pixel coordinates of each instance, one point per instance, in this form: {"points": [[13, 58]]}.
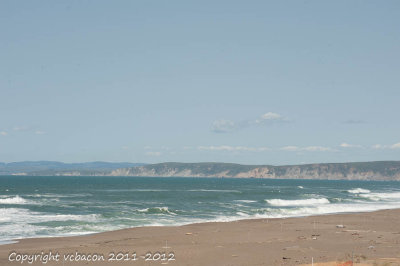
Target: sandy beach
{"points": [[365, 238]]}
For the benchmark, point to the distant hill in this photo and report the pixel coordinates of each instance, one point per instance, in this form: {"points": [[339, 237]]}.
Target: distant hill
{"points": [[59, 168], [383, 170]]}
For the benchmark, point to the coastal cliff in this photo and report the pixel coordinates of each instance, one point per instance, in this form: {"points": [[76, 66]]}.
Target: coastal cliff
{"points": [[385, 170], [382, 170]]}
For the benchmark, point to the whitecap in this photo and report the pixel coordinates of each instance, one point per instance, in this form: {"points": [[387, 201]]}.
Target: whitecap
{"points": [[215, 190], [301, 202], [156, 210], [246, 201], [13, 200], [321, 209], [358, 190], [382, 196]]}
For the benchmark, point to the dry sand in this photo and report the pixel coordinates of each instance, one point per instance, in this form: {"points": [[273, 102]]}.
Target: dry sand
{"points": [[366, 238]]}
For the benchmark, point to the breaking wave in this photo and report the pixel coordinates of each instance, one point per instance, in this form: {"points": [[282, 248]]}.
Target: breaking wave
{"points": [[358, 191], [215, 190], [13, 200], [321, 209], [157, 210], [382, 196], [246, 201], [302, 202]]}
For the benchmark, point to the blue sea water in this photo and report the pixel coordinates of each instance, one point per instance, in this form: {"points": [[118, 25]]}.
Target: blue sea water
{"points": [[75, 205]]}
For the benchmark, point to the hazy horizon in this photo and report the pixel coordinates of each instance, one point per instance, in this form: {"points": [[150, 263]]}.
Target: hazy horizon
{"points": [[194, 162]]}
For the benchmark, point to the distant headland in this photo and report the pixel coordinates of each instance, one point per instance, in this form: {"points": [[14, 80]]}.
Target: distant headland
{"points": [[380, 170]]}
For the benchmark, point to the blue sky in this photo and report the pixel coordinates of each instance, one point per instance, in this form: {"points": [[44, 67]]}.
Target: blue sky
{"points": [[255, 82]]}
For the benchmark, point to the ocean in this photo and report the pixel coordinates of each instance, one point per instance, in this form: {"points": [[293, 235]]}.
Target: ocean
{"points": [[75, 205]]}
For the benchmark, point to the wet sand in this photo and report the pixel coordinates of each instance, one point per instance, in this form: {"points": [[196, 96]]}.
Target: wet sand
{"points": [[365, 238]]}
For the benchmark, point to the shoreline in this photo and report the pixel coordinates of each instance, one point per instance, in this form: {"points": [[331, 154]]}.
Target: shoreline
{"points": [[17, 240], [371, 236]]}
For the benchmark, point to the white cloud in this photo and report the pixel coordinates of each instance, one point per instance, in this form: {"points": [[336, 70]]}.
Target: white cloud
{"points": [[347, 145], [232, 148], [263, 149], [272, 116], [187, 147], [31, 129], [317, 148], [3, 133], [223, 126], [153, 153], [21, 128], [378, 146], [308, 148], [290, 148], [381, 147], [395, 146], [269, 117]]}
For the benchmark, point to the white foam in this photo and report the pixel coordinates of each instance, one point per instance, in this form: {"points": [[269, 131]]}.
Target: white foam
{"points": [[8, 214], [302, 202], [358, 191], [51, 195], [22, 216], [382, 196], [300, 187], [215, 190], [13, 200], [137, 190], [242, 214], [246, 201], [12, 231], [23, 223], [322, 209], [156, 210]]}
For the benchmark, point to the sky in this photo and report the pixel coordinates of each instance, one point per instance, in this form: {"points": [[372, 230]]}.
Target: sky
{"points": [[252, 82]]}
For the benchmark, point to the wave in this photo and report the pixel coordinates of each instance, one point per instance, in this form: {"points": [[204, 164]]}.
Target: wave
{"points": [[322, 209], [246, 201], [214, 190], [157, 210], [301, 187], [302, 202], [50, 195], [8, 214], [135, 190], [22, 223], [358, 191], [13, 200], [17, 225], [17, 215], [382, 196], [16, 231]]}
